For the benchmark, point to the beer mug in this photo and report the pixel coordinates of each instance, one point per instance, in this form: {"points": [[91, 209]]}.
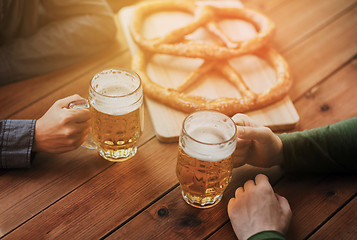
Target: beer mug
{"points": [[204, 164], [117, 113]]}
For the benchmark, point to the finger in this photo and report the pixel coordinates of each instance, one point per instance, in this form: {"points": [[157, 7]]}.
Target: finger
{"points": [[230, 207], [78, 104], [243, 143], [243, 146], [284, 204], [254, 133], [63, 103], [263, 182], [261, 179], [239, 191], [81, 128], [240, 153], [248, 185], [237, 163], [243, 120], [84, 138], [79, 115]]}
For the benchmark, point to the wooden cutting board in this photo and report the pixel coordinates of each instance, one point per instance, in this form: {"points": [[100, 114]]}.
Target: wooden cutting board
{"points": [[169, 71]]}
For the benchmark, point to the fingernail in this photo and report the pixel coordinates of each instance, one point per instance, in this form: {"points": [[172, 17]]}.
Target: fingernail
{"points": [[240, 130]]}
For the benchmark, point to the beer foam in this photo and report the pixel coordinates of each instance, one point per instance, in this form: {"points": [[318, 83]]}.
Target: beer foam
{"points": [[209, 135], [117, 106], [208, 144], [116, 92]]}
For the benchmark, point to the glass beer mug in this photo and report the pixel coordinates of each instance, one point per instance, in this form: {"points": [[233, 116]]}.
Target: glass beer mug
{"points": [[204, 164], [117, 114]]}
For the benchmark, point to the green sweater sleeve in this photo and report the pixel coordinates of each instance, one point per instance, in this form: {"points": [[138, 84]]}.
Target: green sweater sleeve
{"points": [[332, 148], [268, 235]]}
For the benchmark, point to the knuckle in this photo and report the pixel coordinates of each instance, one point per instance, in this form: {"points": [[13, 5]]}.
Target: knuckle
{"points": [[72, 143], [65, 118], [265, 187], [266, 130], [262, 176], [69, 133]]}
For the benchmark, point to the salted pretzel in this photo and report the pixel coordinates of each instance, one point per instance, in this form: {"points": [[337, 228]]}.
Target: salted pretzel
{"points": [[215, 58], [176, 98], [174, 43]]}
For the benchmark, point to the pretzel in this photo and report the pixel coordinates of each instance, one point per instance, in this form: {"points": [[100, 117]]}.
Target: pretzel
{"points": [[215, 58], [176, 98], [174, 42]]}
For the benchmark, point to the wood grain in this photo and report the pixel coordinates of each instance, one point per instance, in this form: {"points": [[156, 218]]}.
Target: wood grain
{"points": [[172, 218], [335, 42], [314, 199], [331, 100], [110, 198], [319, 14], [341, 226]]}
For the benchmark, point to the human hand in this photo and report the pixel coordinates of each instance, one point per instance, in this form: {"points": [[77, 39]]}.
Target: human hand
{"points": [[62, 129], [256, 145], [257, 208]]}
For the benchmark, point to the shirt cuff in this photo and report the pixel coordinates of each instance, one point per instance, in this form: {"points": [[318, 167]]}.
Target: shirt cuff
{"points": [[17, 141], [268, 235]]}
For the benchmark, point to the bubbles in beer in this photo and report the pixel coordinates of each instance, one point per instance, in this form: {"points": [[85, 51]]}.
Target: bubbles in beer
{"points": [[202, 182], [115, 99], [204, 164]]}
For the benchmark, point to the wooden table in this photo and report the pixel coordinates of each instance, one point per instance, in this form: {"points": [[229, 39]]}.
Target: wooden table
{"points": [[78, 195]]}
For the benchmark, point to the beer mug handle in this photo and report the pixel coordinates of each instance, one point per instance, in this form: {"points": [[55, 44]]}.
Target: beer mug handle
{"points": [[83, 104]]}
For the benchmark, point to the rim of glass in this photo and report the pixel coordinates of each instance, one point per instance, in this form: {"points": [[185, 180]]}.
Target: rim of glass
{"points": [[135, 75], [214, 111]]}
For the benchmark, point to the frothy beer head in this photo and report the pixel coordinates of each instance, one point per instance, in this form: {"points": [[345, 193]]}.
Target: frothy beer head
{"points": [[116, 92], [208, 136]]}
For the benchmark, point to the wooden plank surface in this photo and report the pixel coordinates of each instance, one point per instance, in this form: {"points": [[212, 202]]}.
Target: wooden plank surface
{"points": [[111, 197], [313, 200], [172, 218], [81, 196], [316, 203], [341, 226], [296, 28], [331, 100], [335, 42]]}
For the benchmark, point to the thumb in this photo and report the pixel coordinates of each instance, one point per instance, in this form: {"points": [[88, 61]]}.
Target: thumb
{"points": [[286, 212], [284, 204], [253, 133], [240, 153]]}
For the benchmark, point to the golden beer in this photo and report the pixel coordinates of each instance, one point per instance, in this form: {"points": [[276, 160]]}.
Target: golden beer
{"points": [[117, 118], [203, 182], [116, 136], [117, 113], [204, 162]]}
